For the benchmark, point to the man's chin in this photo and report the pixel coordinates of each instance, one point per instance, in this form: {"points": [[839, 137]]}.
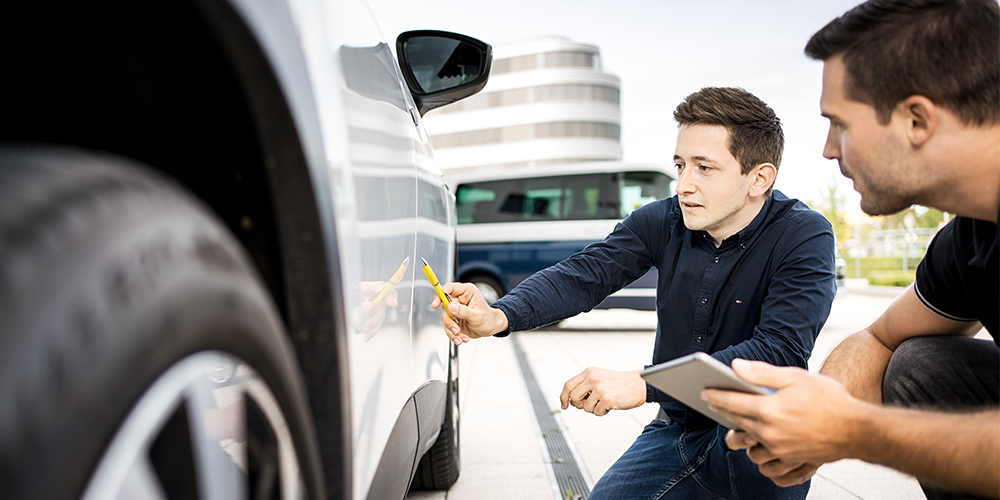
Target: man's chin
{"points": [[877, 207], [689, 222]]}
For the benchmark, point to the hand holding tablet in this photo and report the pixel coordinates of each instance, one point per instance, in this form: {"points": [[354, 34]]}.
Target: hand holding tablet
{"points": [[684, 378]]}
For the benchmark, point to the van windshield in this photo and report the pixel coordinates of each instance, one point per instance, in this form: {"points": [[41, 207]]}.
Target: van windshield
{"points": [[570, 197]]}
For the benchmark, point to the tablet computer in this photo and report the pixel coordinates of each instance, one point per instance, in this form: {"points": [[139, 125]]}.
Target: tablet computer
{"points": [[684, 378]]}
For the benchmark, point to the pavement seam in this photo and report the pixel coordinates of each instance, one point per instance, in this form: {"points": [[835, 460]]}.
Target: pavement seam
{"points": [[845, 490], [561, 458]]}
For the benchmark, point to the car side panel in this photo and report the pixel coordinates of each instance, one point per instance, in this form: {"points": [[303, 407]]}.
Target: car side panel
{"points": [[382, 200]]}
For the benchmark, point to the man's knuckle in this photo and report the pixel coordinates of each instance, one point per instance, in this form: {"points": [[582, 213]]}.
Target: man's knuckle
{"points": [[766, 414], [769, 436]]}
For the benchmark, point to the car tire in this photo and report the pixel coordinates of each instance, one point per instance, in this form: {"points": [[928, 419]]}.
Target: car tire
{"points": [[489, 287], [439, 467], [114, 283]]}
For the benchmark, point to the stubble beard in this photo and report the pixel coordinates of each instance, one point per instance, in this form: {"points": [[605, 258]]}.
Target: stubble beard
{"points": [[882, 199], [884, 188]]}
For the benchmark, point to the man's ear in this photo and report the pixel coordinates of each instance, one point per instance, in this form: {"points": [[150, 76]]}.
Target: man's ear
{"points": [[920, 117], [763, 178]]}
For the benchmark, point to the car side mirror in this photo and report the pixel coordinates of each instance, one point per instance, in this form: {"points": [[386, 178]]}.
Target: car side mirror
{"points": [[441, 67]]}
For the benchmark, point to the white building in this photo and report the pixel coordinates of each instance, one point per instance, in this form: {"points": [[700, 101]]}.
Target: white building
{"points": [[547, 102]]}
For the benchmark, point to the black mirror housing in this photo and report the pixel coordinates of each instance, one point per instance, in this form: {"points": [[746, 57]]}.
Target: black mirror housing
{"points": [[442, 67]]}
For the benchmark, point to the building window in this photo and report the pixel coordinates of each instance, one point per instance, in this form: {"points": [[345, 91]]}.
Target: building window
{"points": [[569, 59], [551, 60], [577, 129], [512, 64], [526, 132], [543, 93], [575, 92]]}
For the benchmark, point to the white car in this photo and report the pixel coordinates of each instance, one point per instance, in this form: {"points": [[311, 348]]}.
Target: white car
{"points": [[211, 215], [841, 268]]}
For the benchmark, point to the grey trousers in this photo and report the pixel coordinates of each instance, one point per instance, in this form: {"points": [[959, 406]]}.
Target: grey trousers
{"points": [[946, 374]]}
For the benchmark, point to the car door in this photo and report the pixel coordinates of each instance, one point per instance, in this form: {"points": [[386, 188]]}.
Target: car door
{"points": [[380, 270]]}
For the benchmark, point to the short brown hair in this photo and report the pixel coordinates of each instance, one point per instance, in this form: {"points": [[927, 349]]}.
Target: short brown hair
{"points": [[945, 50], [755, 134]]}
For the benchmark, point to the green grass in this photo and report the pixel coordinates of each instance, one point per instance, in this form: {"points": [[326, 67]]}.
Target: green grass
{"points": [[883, 271]]}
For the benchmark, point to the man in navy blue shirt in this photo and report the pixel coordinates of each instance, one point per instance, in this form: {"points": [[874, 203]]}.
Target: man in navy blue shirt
{"points": [[912, 92], [744, 272]]}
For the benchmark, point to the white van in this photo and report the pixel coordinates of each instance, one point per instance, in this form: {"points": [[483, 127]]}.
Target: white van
{"points": [[514, 222]]}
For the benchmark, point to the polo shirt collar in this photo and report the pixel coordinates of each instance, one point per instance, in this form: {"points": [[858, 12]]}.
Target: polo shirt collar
{"points": [[985, 242]]}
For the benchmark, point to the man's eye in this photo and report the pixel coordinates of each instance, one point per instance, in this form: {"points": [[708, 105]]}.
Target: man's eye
{"points": [[704, 168], [678, 166]]}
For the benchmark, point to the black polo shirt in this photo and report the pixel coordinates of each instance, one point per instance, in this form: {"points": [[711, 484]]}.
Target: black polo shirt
{"points": [[959, 278]]}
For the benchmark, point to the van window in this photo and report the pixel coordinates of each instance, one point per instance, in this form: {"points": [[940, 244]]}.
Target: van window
{"points": [[575, 197], [640, 188], [571, 197]]}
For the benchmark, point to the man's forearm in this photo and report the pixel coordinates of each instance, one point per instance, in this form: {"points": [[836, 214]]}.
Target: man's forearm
{"points": [[958, 451], [859, 362]]}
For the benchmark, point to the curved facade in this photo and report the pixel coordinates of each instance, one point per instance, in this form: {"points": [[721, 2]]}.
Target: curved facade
{"points": [[548, 102]]}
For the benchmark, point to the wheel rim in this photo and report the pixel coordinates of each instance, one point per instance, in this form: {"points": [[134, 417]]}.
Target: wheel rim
{"points": [[489, 293], [239, 444]]}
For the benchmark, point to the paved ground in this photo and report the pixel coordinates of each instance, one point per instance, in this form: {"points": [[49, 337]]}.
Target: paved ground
{"points": [[502, 456]]}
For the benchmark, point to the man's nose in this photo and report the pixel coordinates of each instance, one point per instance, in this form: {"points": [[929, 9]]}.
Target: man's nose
{"points": [[831, 150], [684, 183]]}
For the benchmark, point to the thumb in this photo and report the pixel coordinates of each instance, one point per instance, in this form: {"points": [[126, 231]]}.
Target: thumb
{"points": [[760, 373], [458, 310]]}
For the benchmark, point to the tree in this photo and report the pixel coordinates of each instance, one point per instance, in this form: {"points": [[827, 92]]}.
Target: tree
{"points": [[831, 205], [923, 217]]}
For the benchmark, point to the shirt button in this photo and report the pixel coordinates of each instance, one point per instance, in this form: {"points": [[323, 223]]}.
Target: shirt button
{"points": [[698, 339], [704, 300], [716, 259], [743, 245]]}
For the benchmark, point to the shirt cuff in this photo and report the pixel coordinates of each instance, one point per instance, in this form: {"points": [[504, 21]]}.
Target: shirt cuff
{"points": [[506, 310], [651, 392]]}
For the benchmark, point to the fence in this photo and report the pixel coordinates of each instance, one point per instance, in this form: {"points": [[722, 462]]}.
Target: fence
{"points": [[887, 257]]}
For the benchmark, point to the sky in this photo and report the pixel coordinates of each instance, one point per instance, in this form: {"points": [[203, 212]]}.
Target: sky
{"points": [[663, 50]]}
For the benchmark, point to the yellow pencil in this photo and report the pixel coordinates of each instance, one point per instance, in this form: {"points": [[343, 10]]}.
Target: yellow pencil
{"points": [[445, 299], [393, 281]]}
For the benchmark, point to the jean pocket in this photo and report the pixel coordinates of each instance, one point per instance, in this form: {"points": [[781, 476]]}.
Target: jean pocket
{"points": [[695, 446], [655, 425]]}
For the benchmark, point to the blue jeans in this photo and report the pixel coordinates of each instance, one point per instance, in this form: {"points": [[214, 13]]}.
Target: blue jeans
{"points": [[669, 461]]}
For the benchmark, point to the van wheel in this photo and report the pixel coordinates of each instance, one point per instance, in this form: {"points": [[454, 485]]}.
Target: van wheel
{"points": [[491, 289], [440, 466], [139, 353]]}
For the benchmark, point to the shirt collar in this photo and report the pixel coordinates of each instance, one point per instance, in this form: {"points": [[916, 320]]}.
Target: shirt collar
{"points": [[743, 236], [984, 246]]}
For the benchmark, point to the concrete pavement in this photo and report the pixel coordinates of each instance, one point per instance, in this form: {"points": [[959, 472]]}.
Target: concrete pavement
{"points": [[502, 455]]}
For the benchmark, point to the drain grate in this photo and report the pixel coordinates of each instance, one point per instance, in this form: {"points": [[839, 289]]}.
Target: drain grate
{"points": [[562, 459]]}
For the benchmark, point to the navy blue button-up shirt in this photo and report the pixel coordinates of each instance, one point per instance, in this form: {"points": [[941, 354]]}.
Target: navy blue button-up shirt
{"points": [[763, 294]]}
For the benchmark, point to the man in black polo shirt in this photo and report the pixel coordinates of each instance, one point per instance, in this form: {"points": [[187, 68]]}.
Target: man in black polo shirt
{"points": [[744, 272], [912, 91]]}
